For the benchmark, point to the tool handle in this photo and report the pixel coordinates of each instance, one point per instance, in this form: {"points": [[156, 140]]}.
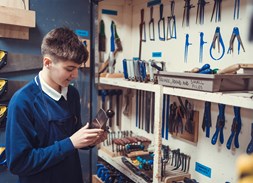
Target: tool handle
{"points": [[230, 69], [161, 11], [151, 13], [230, 140], [124, 62], [221, 136], [215, 136]]}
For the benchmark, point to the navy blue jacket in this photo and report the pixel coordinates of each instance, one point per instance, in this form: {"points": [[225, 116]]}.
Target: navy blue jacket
{"points": [[38, 147]]}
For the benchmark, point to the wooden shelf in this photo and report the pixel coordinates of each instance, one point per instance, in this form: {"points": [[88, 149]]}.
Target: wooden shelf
{"points": [[15, 22], [240, 99]]}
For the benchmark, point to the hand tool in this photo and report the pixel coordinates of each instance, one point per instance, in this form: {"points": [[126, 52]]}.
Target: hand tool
{"points": [[103, 94], [187, 8], [124, 63], [151, 25], [167, 117], [201, 11], [236, 9], [128, 99], [137, 75], [202, 42], [143, 74], [235, 34], [152, 104], [118, 93], [163, 116], [171, 26], [147, 112], [219, 125], [141, 32], [3, 115], [250, 145], [207, 121], [117, 40], [161, 25], [3, 58], [137, 109], [130, 70], [217, 37], [172, 117], [187, 44], [235, 128], [233, 68], [217, 8], [189, 126], [110, 112], [112, 44], [102, 41]]}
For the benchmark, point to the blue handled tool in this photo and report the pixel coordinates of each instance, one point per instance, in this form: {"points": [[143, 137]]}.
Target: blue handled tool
{"points": [[124, 62], [207, 121], [163, 116], [112, 44], [167, 117], [219, 125], [202, 42], [187, 44], [235, 129], [250, 145], [217, 37], [235, 34]]}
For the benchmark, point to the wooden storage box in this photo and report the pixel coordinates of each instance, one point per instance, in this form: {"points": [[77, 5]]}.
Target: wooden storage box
{"points": [[206, 82]]}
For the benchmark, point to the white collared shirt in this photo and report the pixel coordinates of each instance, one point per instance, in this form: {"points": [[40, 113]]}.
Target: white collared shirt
{"points": [[50, 91]]}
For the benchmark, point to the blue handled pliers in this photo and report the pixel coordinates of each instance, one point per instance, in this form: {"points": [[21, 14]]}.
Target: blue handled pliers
{"points": [[235, 129], [235, 34], [219, 125], [217, 37]]}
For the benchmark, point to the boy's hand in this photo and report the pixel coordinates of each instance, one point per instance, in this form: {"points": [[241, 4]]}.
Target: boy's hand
{"points": [[85, 137]]}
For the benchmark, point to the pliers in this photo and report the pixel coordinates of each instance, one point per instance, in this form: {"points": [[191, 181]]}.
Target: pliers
{"points": [[217, 37], [235, 34], [235, 129], [207, 121], [219, 125]]}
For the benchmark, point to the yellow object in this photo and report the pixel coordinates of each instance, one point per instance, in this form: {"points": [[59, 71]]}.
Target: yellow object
{"points": [[2, 149], [2, 54], [2, 110], [2, 83], [244, 168]]}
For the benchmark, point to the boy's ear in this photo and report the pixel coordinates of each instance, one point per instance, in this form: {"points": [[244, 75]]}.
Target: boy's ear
{"points": [[46, 61]]}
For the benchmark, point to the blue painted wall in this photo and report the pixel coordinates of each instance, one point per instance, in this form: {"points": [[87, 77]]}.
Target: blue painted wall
{"points": [[50, 14]]}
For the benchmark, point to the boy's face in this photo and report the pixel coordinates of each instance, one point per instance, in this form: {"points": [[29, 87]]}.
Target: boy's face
{"points": [[61, 73]]}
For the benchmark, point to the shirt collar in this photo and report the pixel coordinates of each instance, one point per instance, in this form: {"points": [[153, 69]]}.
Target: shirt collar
{"points": [[51, 92]]}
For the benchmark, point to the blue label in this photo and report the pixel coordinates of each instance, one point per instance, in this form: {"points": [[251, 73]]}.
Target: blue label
{"points": [[202, 169], [82, 33], [157, 54], [109, 12], [153, 2]]}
